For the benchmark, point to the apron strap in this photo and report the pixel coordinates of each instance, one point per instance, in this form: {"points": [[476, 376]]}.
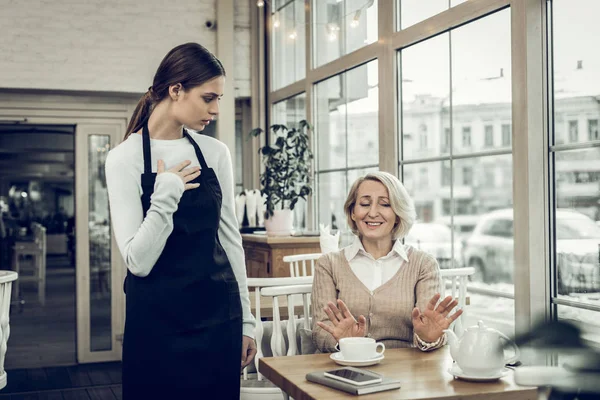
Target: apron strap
{"points": [[201, 159], [146, 146], [147, 153]]}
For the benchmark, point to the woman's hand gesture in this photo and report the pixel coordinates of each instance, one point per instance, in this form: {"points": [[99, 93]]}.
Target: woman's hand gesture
{"points": [[186, 174], [344, 324], [430, 324]]}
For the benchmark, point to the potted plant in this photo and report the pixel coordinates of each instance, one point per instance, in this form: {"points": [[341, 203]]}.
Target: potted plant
{"points": [[286, 178]]}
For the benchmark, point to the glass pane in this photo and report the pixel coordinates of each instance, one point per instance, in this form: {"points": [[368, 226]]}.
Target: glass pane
{"points": [[577, 221], [576, 70], [362, 112], [496, 312], [347, 119], [576, 84], [413, 11], [100, 245], [288, 44], [425, 91], [331, 195], [481, 84], [424, 183], [288, 112], [330, 122], [431, 232], [586, 320], [342, 26], [482, 191]]}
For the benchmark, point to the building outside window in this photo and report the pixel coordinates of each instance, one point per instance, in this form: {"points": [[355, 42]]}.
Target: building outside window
{"points": [[506, 135], [573, 131], [466, 136], [593, 129], [489, 136]]}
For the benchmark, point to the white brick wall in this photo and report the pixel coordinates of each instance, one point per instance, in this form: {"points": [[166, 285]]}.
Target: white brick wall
{"points": [[98, 45]]}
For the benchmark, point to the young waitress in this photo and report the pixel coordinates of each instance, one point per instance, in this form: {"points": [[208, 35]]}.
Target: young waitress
{"points": [[188, 326]]}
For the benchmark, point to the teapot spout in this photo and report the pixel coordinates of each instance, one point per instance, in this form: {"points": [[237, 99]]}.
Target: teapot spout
{"points": [[453, 342]]}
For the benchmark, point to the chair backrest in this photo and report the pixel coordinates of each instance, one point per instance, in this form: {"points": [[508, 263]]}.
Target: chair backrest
{"points": [[299, 262], [6, 279], [256, 285], [290, 292], [456, 279]]}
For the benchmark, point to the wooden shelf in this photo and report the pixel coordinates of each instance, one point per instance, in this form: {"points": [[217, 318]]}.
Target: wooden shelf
{"points": [[264, 254]]}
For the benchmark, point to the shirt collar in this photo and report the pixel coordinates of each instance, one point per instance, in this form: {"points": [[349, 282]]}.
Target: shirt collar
{"points": [[357, 246]]}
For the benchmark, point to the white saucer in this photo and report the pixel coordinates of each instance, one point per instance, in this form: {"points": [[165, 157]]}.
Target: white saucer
{"points": [[458, 373], [338, 358]]}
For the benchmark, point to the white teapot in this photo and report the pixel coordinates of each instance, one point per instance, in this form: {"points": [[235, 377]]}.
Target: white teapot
{"points": [[479, 352]]}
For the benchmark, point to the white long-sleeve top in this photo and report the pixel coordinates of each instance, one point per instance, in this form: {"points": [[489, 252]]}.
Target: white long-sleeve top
{"points": [[142, 240]]}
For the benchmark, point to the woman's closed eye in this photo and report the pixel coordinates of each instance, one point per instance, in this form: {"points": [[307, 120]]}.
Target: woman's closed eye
{"points": [[208, 99]]}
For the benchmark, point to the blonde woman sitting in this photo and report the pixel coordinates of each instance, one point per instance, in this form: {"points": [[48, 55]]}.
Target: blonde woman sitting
{"points": [[378, 287]]}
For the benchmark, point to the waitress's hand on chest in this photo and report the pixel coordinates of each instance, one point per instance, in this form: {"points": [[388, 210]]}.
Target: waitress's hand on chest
{"points": [[187, 174]]}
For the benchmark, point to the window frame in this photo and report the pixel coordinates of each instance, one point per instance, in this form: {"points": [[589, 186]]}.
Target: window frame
{"points": [[529, 124]]}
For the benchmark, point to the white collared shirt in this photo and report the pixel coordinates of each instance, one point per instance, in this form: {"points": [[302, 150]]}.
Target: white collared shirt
{"points": [[371, 272]]}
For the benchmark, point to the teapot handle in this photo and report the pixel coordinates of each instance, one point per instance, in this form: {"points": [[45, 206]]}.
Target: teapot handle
{"points": [[514, 358]]}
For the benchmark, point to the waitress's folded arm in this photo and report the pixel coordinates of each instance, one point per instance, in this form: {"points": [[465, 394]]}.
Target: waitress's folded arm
{"points": [[140, 240]]}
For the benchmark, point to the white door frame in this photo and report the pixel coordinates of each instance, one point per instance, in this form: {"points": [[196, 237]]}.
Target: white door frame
{"points": [[83, 111]]}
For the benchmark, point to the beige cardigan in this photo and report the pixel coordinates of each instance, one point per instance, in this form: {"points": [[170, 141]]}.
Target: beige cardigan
{"points": [[387, 309]]}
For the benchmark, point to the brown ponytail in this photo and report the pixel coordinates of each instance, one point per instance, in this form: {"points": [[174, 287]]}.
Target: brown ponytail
{"points": [[141, 113], [190, 65]]}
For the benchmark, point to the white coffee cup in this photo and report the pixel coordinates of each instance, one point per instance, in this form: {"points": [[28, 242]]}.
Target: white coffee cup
{"points": [[360, 348]]}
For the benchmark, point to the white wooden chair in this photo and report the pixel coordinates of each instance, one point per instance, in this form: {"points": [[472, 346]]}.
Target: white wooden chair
{"points": [[37, 271], [253, 385], [456, 279], [298, 263], [6, 280], [278, 339]]}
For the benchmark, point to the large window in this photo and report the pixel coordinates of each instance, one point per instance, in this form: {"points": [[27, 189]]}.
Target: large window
{"points": [[288, 60], [464, 96], [347, 137], [414, 11], [457, 81], [289, 112], [342, 26], [575, 171]]}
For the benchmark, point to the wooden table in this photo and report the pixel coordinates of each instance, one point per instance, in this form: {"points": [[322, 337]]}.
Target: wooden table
{"points": [[423, 376], [266, 307]]}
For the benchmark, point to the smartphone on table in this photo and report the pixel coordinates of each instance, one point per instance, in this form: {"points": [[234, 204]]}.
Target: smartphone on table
{"points": [[354, 376]]}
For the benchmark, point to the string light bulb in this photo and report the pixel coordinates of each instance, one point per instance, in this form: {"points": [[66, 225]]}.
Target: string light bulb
{"points": [[293, 35], [260, 3], [276, 22]]}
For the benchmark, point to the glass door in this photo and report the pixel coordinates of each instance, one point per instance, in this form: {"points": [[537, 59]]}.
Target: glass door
{"points": [[100, 269]]}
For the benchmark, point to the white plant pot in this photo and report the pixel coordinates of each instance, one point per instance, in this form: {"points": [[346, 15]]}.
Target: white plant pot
{"points": [[280, 224]]}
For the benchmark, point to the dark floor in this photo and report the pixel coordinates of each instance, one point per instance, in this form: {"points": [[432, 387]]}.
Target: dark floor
{"points": [[44, 336], [87, 381]]}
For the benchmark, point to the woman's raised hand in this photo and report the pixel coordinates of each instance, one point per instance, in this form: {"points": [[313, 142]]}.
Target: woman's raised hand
{"points": [[181, 170], [344, 324], [430, 324]]}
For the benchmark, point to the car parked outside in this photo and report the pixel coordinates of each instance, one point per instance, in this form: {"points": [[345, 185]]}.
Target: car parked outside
{"points": [[436, 239], [490, 250]]}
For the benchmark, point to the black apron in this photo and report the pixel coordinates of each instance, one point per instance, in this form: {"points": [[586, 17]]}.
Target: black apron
{"points": [[183, 326]]}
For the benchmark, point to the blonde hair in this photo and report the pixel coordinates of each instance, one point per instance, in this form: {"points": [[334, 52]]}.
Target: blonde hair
{"points": [[401, 203]]}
